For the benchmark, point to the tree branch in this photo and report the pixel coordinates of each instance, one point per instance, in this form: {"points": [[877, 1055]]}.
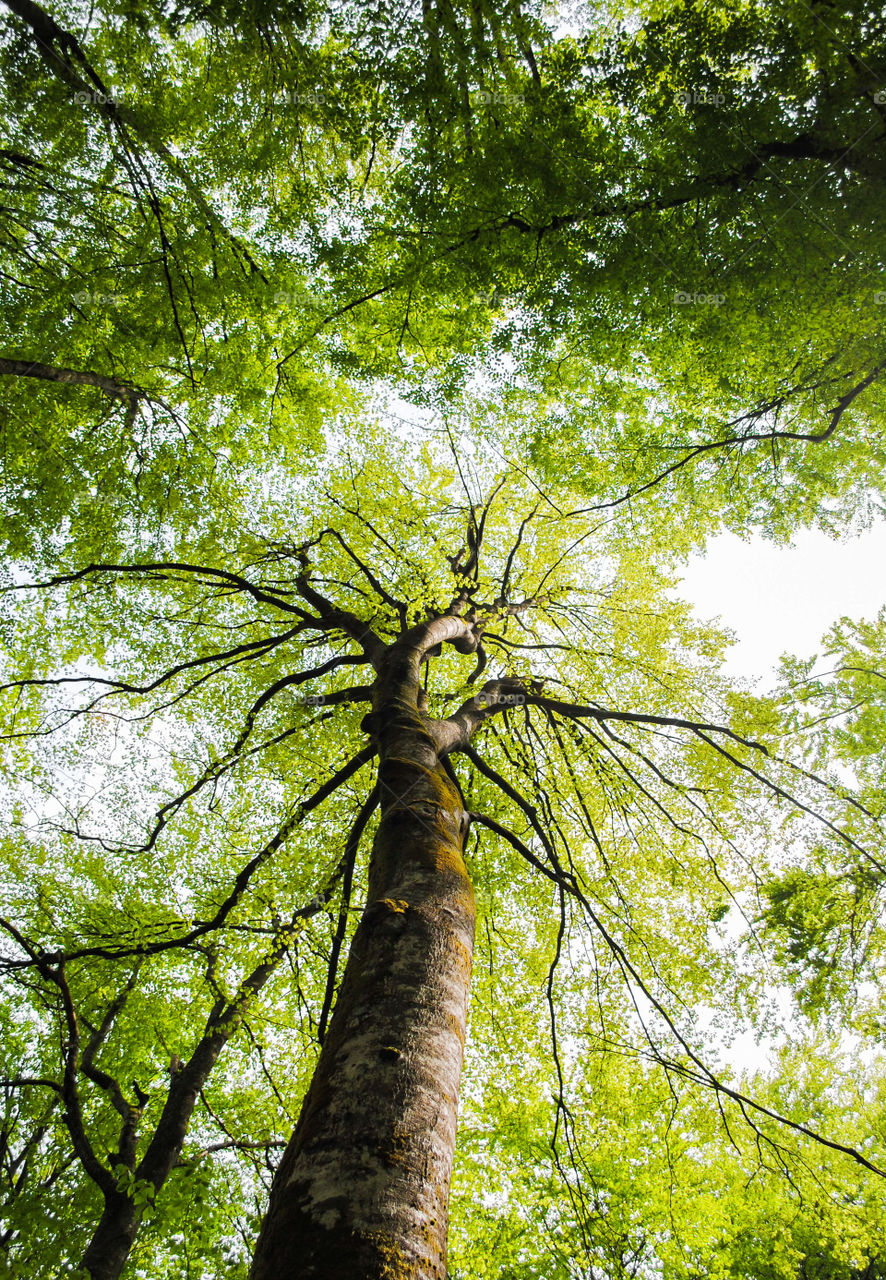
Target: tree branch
{"points": [[350, 856], [161, 568], [72, 377]]}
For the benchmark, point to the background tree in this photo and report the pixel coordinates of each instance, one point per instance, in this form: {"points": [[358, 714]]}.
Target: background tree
{"points": [[825, 910]]}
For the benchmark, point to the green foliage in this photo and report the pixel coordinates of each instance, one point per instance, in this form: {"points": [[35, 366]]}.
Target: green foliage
{"points": [[818, 920], [281, 269], [825, 915]]}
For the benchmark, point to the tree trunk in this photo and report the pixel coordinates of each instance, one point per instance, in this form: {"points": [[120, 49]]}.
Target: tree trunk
{"points": [[363, 1188], [112, 1241], [113, 1238]]}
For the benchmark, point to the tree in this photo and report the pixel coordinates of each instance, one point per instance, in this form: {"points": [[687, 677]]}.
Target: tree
{"points": [[585, 794], [642, 261]]}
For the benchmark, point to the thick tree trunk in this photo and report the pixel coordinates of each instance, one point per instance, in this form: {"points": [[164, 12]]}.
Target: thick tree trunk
{"points": [[113, 1238], [363, 1188]]}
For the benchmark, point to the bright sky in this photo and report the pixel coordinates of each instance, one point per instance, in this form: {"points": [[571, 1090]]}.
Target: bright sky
{"points": [[782, 599]]}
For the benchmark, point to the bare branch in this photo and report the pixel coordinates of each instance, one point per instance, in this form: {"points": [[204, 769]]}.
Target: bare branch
{"points": [[225, 1020], [252, 648], [635, 717], [240, 885], [72, 377], [73, 1115], [159, 570], [350, 855], [693, 453], [20, 1082]]}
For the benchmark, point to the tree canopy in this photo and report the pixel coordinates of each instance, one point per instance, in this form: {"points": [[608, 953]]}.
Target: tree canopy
{"points": [[334, 330]]}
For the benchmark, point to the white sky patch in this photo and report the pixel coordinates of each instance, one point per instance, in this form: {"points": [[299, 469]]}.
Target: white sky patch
{"points": [[782, 599]]}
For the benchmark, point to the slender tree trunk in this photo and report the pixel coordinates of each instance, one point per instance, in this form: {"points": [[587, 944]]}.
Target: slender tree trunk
{"points": [[363, 1188], [108, 1251], [114, 1236]]}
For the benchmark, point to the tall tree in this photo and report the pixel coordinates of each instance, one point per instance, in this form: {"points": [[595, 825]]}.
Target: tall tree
{"points": [[644, 252]]}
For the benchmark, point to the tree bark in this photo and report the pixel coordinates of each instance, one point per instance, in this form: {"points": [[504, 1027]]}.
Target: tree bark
{"points": [[73, 377], [362, 1191], [113, 1238]]}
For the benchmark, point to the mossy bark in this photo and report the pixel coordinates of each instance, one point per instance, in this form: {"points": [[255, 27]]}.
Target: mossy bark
{"points": [[363, 1187]]}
